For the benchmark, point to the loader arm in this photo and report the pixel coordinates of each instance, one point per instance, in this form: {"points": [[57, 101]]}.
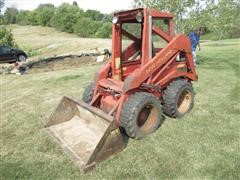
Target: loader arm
{"points": [[178, 44]]}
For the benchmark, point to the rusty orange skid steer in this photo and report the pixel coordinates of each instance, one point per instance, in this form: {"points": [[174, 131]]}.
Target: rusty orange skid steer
{"points": [[145, 79]]}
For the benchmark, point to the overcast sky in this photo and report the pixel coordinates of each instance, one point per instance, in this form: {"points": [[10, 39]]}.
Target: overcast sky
{"points": [[105, 6]]}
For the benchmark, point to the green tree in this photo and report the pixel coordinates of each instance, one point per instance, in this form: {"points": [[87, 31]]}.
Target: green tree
{"points": [[224, 19], [23, 18], [66, 17], [10, 15], [81, 27], [104, 31], [85, 27], [75, 3], [219, 16], [44, 13], [6, 37], [94, 15], [179, 8], [32, 18], [1, 15]]}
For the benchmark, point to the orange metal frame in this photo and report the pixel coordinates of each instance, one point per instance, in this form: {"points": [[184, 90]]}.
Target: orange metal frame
{"points": [[117, 79]]}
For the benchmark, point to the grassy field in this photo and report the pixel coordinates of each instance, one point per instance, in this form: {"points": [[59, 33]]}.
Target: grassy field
{"points": [[44, 41], [205, 144]]}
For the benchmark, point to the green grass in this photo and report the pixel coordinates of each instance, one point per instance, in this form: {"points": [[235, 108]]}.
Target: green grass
{"points": [[209, 36], [205, 144], [40, 42]]}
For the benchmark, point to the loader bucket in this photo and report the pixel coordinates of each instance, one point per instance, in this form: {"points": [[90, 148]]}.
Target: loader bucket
{"points": [[87, 134]]}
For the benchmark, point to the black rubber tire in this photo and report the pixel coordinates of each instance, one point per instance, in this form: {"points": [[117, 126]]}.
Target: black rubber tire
{"points": [[130, 115], [21, 58], [88, 93], [171, 99]]}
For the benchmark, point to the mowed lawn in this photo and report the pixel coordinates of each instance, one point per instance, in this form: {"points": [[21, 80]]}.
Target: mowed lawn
{"points": [[40, 41], [205, 144]]}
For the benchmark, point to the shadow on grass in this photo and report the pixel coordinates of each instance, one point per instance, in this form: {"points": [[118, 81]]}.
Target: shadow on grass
{"points": [[37, 168], [63, 79], [67, 78], [13, 170]]}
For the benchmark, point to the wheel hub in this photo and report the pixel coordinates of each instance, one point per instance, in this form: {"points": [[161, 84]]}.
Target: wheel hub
{"points": [[147, 117], [184, 101]]}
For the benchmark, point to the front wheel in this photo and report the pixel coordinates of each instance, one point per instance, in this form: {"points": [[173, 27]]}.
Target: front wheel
{"points": [[141, 115]]}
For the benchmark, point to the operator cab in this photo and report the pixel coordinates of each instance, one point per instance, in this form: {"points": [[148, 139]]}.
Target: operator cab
{"points": [[138, 35]]}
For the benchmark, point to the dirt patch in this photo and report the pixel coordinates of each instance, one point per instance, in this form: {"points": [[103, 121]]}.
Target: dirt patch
{"points": [[50, 64]]}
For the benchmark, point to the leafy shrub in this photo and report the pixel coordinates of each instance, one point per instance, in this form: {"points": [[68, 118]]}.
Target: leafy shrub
{"points": [[10, 16], [22, 18], [6, 37], [104, 31], [32, 53], [85, 27], [81, 28], [94, 15], [44, 13], [32, 18], [67, 18]]}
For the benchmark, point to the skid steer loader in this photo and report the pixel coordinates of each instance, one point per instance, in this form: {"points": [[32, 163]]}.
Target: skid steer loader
{"points": [[149, 76]]}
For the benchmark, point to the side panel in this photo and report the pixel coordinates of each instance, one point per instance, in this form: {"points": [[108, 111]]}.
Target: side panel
{"points": [[179, 43]]}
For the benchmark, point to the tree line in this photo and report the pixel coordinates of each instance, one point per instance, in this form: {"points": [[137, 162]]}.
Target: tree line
{"points": [[219, 17], [67, 18]]}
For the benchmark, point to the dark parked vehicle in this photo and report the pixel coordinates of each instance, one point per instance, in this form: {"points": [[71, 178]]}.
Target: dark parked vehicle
{"points": [[11, 55]]}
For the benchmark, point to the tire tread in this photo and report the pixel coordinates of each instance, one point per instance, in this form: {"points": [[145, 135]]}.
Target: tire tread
{"points": [[129, 109], [88, 93], [170, 95]]}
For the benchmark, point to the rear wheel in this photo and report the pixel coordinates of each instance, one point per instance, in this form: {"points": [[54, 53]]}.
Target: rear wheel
{"points": [[141, 115], [21, 58], [88, 93], [178, 98]]}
